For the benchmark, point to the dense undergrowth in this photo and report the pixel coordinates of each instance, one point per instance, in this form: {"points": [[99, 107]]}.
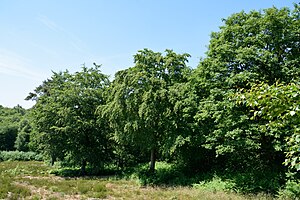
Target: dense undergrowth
{"points": [[251, 182]]}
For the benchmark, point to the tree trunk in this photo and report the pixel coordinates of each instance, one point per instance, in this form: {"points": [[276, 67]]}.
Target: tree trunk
{"points": [[83, 168], [153, 159], [52, 159]]}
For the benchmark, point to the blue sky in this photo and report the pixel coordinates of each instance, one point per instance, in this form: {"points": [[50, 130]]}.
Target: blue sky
{"points": [[40, 36]]}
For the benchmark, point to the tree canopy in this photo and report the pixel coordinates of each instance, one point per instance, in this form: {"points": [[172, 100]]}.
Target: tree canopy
{"points": [[64, 115], [139, 106], [10, 123], [249, 48]]}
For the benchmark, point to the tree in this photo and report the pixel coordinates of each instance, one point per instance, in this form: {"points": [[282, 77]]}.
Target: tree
{"points": [[44, 116], [249, 48], [10, 119], [23, 137], [139, 107], [65, 118], [8, 136]]}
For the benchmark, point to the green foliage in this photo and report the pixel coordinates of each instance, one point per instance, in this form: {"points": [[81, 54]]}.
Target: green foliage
{"points": [[290, 191], [229, 124], [20, 156], [216, 184], [23, 138], [248, 48], [12, 129], [259, 45], [11, 115], [65, 121], [254, 182], [278, 105], [250, 182], [8, 134], [139, 108], [165, 174], [22, 141]]}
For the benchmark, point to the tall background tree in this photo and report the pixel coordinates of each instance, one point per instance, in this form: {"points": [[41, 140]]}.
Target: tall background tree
{"points": [[10, 123], [248, 48]]}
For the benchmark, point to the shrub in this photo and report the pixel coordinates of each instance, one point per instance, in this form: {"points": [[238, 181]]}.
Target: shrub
{"points": [[257, 181], [165, 174], [290, 191], [216, 184], [19, 156]]}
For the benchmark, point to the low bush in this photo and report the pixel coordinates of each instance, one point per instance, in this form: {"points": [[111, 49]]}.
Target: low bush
{"points": [[251, 181], [20, 156], [290, 191], [165, 174], [216, 184]]}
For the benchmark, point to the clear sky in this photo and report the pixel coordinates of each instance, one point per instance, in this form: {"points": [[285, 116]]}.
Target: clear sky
{"points": [[37, 36]]}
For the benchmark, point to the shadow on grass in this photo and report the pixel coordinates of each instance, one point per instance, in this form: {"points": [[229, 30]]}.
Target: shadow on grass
{"points": [[90, 172], [246, 182]]}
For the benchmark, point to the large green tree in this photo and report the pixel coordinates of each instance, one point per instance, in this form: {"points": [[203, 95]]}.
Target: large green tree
{"points": [[248, 48], [139, 106], [65, 119], [44, 117]]}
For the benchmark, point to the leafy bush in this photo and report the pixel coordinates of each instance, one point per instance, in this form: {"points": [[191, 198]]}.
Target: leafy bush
{"points": [[216, 184], [257, 181], [290, 191], [19, 156], [165, 174]]}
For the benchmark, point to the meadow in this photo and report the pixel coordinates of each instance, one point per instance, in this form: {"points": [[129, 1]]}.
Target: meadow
{"points": [[35, 180]]}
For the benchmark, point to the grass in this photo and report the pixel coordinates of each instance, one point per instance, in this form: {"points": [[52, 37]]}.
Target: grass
{"points": [[32, 180]]}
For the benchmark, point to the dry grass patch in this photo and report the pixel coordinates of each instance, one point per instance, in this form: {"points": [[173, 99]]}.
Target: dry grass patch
{"points": [[31, 180], [132, 190]]}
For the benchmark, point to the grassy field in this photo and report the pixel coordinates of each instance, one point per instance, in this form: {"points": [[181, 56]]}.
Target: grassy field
{"points": [[32, 180]]}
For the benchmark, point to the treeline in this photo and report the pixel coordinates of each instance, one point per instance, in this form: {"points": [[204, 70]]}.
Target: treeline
{"points": [[237, 112], [15, 129]]}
